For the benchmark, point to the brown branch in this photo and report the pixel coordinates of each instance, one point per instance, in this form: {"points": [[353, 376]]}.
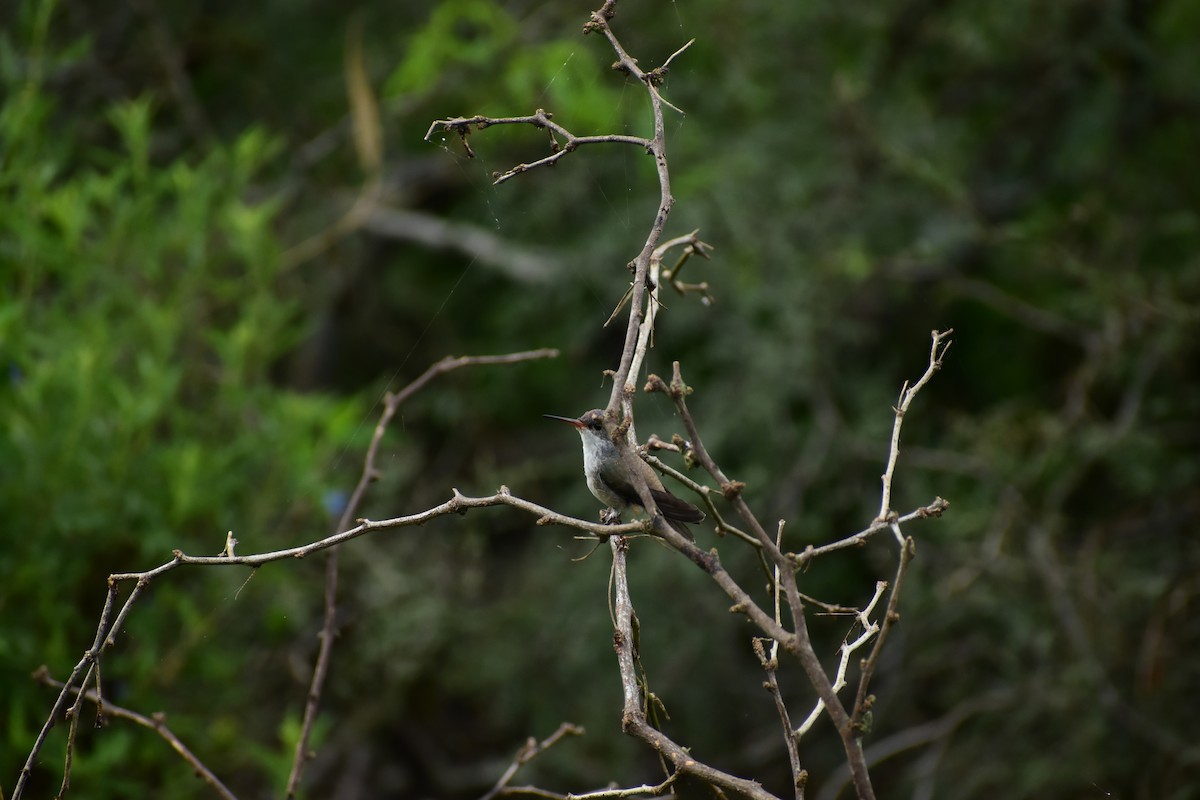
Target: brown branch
{"points": [[531, 750], [370, 473], [797, 643], [458, 504], [705, 493], [462, 126], [770, 665], [155, 722], [89, 658], [633, 718], [599, 794], [645, 334], [637, 335], [862, 700], [106, 632], [934, 509]]}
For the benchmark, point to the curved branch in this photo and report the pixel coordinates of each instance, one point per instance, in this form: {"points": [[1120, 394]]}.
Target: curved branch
{"points": [[633, 720], [155, 722]]}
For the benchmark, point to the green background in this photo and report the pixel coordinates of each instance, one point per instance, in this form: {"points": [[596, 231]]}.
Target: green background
{"points": [[171, 369]]}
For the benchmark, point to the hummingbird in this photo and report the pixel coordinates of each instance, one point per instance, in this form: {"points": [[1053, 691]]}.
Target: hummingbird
{"points": [[609, 478]]}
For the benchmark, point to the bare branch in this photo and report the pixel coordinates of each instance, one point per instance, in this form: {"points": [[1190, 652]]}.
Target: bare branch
{"points": [[770, 665], [937, 351], [538, 119], [633, 719], [797, 643], [934, 509], [600, 794], [531, 750], [155, 722], [862, 700], [869, 629], [370, 473], [89, 658], [705, 493]]}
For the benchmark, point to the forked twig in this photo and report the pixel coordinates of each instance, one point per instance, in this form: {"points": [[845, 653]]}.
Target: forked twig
{"points": [[106, 632], [529, 751], [370, 473], [155, 722]]}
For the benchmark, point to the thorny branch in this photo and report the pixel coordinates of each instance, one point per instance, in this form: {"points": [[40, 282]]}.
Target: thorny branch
{"points": [[155, 722], [529, 751], [848, 725], [797, 643], [937, 351], [541, 119], [457, 504], [370, 474], [644, 302], [633, 718], [106, 633], [600, 794]]}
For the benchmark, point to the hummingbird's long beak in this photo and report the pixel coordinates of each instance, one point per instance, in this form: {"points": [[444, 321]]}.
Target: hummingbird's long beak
{"points": [[568, 420]]}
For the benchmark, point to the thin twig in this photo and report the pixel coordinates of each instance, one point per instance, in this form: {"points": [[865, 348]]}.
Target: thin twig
{"points": [[862, 701], [462, 126], [531, 749], [370, 473], [869, 629], [458, 504], [599, 794], [89, 658], [770, 665], [107, 632], [798, 642], [937, 351], [934, 509], [705, 493], [155, 722]]}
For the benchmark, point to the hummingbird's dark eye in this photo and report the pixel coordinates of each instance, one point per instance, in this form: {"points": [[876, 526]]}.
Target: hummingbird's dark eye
{"points": [[594, 424]]}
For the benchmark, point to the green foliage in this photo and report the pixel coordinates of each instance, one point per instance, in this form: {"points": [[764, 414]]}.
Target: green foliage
{"points": [[141, 318]]}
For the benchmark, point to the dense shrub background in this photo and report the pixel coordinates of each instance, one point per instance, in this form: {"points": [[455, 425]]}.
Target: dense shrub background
{"points": [[170, 371]]}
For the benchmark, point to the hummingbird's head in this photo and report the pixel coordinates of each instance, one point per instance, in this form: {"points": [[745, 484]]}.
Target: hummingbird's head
{"points": [[590, 424]]}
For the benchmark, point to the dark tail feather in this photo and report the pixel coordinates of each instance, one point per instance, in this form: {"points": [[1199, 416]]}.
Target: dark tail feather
{"points": [[683, 530]]}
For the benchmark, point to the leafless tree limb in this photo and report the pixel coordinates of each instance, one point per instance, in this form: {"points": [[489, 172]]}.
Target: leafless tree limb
{"points": [[937, 351], [458, 504], [934, 509], [155, 722], [797, 642], [541, 119], [370, 473], [106, 633], [770, 666], [869, 629], [88, 660], [862, 700], [599, 794], [633, 718], [529, 751]]}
